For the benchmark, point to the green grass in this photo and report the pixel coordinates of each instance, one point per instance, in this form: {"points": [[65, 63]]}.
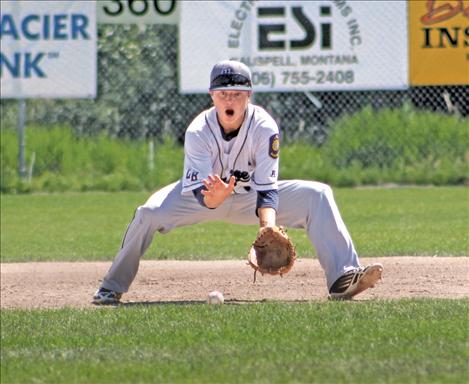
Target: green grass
{"points": [[410, 341], [90, 226], [408, 221], [406, 341]]}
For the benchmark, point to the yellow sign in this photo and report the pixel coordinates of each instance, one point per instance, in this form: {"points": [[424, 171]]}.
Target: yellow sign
{"points": [[439, 42]]}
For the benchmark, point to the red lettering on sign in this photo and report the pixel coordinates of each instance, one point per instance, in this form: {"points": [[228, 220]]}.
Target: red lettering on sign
{"points": [[436, 13]]}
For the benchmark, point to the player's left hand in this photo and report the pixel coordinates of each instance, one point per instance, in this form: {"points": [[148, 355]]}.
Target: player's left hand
{"points": [[217, 190]]}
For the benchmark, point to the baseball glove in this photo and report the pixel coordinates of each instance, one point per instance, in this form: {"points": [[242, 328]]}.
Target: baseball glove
{"points": [[272, 252]]}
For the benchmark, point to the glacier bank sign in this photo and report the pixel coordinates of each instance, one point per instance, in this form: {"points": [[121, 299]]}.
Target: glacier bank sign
{"points": [[48, 49]]}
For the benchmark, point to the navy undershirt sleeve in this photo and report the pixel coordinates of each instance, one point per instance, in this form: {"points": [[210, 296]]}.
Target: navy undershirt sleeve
{"points": [[267, 199], [198, 195]]}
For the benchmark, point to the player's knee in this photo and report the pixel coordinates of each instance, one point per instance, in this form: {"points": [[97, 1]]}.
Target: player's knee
{"points": [[146, 215], [315, 187], [153, 218], [319, 191], [326, 190]]}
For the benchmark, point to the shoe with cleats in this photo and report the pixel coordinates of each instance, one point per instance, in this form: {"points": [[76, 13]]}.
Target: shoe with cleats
{"points": [[355, 281], [105, 296]]}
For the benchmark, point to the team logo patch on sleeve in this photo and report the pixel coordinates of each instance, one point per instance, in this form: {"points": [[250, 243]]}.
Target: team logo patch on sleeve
{"points": [[274, 146]]}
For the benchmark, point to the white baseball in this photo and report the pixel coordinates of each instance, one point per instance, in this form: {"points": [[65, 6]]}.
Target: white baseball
{"points": [[215, 297]]}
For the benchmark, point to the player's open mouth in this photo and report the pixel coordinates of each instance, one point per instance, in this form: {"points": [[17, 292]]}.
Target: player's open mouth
{"points": [[229, 112]]}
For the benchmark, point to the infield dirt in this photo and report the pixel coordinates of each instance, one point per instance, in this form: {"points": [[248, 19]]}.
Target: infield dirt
{"points": [[67, 284]]}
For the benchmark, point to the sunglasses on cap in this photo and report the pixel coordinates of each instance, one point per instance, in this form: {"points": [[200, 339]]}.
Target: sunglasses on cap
{"points": [[230, 80]]}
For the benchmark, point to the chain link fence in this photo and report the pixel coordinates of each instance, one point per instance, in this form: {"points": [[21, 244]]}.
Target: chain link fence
{"points": [[138, 96]]}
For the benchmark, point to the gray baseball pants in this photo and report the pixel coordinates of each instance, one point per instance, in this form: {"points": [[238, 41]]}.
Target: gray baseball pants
{"points": [[302, 204]]}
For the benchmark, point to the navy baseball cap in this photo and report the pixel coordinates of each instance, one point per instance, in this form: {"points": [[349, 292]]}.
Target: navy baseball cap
{"points": [[230, 75]]}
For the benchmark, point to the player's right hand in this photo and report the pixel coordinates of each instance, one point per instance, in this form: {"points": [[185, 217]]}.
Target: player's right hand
{"points": [[217, 190]]}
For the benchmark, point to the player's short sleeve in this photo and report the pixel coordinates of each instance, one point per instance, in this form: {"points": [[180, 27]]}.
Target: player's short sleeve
{"points": [[197, 161], [267, 150]]}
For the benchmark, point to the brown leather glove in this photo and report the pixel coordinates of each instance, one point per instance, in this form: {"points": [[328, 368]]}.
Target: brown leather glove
{"points": [[272, 252]]}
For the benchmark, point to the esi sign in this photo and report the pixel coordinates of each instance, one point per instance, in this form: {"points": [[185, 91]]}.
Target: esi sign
{"points": [[48, 49], [272, 35], [297, 45]]}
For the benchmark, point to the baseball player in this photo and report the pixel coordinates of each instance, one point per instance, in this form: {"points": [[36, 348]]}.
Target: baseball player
{"points": [[231, 174]]}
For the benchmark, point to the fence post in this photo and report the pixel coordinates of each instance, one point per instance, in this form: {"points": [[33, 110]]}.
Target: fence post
{"points": [[22, 139], [151, 155]]}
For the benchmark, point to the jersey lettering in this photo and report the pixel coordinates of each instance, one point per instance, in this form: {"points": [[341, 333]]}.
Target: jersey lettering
{"points": [[242, 176], [192, 175]]}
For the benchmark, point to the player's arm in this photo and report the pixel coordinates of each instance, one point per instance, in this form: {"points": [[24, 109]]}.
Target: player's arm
{"points": [[265, 175], [197, 164], [267, 217], [266, 207]]}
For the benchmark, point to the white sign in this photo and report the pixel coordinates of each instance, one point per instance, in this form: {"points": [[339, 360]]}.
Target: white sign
{"points": [[48, 49], [138, 11], [297, 45]]}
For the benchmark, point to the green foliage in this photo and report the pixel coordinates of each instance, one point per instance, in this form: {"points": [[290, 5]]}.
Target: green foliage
{"points": [[61, 161], [408, 341], [388, 146], [403, 146], [90, 226], [369, 148]]}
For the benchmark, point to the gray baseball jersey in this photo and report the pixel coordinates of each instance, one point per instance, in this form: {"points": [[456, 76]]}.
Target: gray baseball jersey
{"points": [[253, 154]]}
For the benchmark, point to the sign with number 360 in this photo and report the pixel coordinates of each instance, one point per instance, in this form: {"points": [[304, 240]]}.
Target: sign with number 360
{"points": [[137, 11]]}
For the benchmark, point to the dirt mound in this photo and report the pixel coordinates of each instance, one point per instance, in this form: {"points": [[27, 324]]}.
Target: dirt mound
{"points": [[55, 285]]}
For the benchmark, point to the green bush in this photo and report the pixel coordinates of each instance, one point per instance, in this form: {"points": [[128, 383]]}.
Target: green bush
{"points": [[402, 146], [64, 162], [369, 148]]}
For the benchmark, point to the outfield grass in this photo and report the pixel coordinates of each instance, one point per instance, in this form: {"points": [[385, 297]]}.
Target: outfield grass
{"points": [[410, 341], [406, 341], [90, 226]]}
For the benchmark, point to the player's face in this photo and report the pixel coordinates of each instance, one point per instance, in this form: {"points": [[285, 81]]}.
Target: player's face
{"points": [[230, 106]]}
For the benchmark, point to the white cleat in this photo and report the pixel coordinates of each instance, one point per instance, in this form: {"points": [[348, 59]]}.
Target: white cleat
{"points": [[355, 281], [105, 296]]}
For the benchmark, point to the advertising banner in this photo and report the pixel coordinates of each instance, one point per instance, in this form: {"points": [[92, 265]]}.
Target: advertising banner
{"points": [[138, 11], [297, 45], [48, 49], [439, 42]]}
